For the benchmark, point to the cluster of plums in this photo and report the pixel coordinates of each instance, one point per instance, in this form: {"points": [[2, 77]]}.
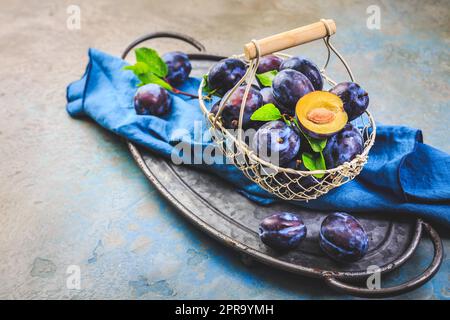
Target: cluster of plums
{"points": [[297, 92], [151, 99], [341, 236]]}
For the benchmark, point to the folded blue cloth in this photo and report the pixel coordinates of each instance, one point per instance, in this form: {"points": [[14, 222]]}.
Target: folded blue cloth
{"points": [[402, 176]]}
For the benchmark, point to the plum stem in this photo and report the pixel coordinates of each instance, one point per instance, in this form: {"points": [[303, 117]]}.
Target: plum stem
{"points": [[286, 119], [176, 91]]}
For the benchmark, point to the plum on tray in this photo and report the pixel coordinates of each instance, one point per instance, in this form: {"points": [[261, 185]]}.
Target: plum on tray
{"points": [[282, 231], [343, 238]]}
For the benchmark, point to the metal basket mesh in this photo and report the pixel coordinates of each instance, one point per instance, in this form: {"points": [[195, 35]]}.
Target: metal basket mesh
{"points": [[286, 183]]}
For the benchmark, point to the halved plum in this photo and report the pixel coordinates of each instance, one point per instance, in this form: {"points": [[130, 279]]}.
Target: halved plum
{"points": [[321, 114]]}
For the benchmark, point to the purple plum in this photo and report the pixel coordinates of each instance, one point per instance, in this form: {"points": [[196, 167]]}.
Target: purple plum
{"points": [[269, 63], [343, 238], [343, 146], [288, 87], [225, 74], [303, 183], [282, 231], [355, 98], [179, 67], [267, 95], [306, 67], [276, 142], [231, 111], [151, 99]]}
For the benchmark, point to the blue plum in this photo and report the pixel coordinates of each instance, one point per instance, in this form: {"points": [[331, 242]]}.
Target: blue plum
{"points": [[225, 74], [215, 107], [282, 231], [306, 67], [305, 182], [288, 87], [355, 98], [179, 67], [268, 63], [231, 111], [151, 99], [276, 142], [267, 95], [293, 182], [343, 146], [343, 238]]}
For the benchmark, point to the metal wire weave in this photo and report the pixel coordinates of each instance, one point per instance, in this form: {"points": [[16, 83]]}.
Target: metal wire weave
{"points": [[286, 183]]}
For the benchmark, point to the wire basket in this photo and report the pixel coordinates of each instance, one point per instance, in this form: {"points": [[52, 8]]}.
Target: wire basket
{"points": [[286, 183]]}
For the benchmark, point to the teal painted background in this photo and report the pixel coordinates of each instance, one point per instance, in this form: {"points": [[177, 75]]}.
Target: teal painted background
{"points": [[70, 193]]}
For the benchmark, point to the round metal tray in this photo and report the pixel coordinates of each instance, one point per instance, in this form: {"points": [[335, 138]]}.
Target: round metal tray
{"points": [[231, 218]]}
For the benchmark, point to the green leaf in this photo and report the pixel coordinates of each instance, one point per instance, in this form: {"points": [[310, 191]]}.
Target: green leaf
{"points": [[152, 78], [144, 79], [207, 89], [143, 73], [266, 78], [138, 68], [153, 60], [309, 161], [267, 112], [317, 145], [314, 162]]}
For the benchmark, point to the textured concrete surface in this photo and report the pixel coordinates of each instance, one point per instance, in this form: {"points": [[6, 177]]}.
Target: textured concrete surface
{"points": [[70, 193]]}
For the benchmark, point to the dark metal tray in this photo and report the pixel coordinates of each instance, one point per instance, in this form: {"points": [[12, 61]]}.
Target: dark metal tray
{"points": [[219, 210]]}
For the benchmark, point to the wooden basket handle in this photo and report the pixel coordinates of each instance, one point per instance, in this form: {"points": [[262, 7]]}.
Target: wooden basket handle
{"points": [[291, 38]]}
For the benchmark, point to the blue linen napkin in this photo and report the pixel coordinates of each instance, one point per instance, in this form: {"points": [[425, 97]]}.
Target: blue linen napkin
{"points": [[402, 176]]}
